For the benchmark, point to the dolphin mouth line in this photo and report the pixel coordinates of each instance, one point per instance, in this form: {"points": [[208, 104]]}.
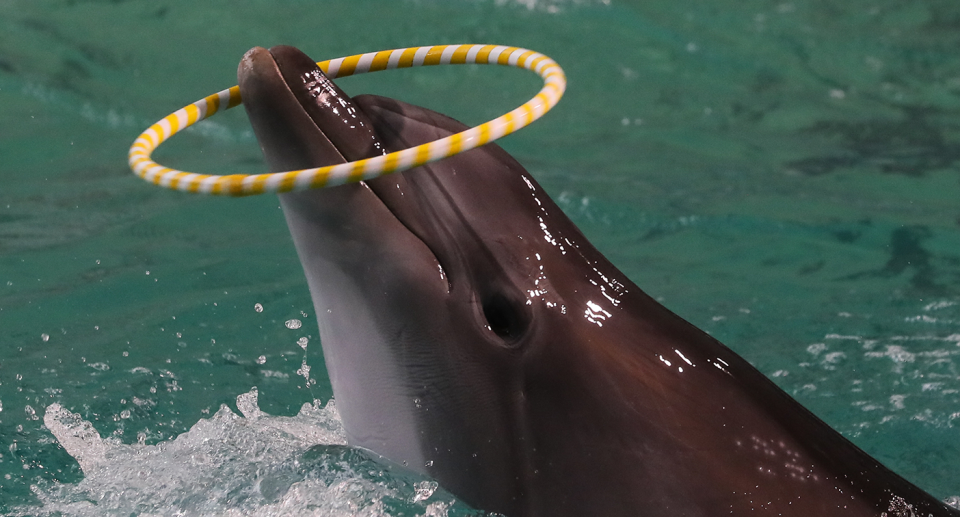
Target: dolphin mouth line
{"points": [[444, 271], [374, 187], [329, 108]]}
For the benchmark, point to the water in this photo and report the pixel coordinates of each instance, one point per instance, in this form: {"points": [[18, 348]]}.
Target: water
{"points": [[256, 464], [782, 174]]}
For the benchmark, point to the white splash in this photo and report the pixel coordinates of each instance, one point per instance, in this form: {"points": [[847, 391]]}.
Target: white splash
{"points": [[76, 435], [228, 465]]}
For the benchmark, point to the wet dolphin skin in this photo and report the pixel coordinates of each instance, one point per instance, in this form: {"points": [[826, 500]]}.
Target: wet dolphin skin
{"points": [[474, 335]]}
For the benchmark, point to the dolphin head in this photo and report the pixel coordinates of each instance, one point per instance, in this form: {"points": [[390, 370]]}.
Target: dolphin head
{"points": [[434, 288], [473, 334]]}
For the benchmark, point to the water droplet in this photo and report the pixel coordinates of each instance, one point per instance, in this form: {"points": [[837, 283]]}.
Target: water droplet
{"points": [[125, 414], [293, 324], [304, 370], [262, 359], [428, 464], [45, 337], [257, 307], [424, 489]]}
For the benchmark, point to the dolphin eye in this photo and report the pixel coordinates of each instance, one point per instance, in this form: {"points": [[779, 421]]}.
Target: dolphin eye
{"points": [[506, 318]]}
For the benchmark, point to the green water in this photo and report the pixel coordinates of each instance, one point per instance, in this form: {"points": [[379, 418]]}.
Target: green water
{"points": [[783, 174]]}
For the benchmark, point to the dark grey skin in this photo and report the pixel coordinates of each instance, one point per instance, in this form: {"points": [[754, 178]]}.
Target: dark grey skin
{"points": [[473, 334]]}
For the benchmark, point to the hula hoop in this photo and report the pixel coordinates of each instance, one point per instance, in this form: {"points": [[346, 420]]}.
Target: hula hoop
{"points": [[554, 84]]}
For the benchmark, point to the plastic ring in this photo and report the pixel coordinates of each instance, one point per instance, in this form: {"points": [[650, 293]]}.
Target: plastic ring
{"points": [[248, 184]]}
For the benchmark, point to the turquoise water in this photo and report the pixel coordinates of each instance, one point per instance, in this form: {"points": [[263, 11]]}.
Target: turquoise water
{"points": [[782, 174]]}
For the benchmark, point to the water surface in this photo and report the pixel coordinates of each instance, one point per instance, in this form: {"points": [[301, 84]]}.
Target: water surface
{"points": [[782, 174]]}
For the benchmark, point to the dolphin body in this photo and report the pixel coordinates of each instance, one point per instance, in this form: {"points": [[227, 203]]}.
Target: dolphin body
{"points": [[472, 334]]}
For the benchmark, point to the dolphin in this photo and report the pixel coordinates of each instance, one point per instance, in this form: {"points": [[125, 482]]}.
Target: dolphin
{"points": [[474, 335]]}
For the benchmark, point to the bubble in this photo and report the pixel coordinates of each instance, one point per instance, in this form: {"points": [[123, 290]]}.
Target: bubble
{"points": [[257, 307], [303, 342], [262, 359], [293, 324], [45, 337]]}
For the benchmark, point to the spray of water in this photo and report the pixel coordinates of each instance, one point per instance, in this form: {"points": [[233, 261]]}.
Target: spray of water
{"points": [[231, 465]]}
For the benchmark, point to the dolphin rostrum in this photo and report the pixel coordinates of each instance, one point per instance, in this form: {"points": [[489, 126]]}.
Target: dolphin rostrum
{"points": [[474, 335]]}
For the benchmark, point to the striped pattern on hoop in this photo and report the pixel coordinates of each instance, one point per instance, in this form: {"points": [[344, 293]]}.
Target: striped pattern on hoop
{"points": [[554, 84]]}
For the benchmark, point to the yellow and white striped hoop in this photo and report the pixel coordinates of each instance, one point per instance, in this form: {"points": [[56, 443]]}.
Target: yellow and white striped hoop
{"points": [[554, 84]]}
